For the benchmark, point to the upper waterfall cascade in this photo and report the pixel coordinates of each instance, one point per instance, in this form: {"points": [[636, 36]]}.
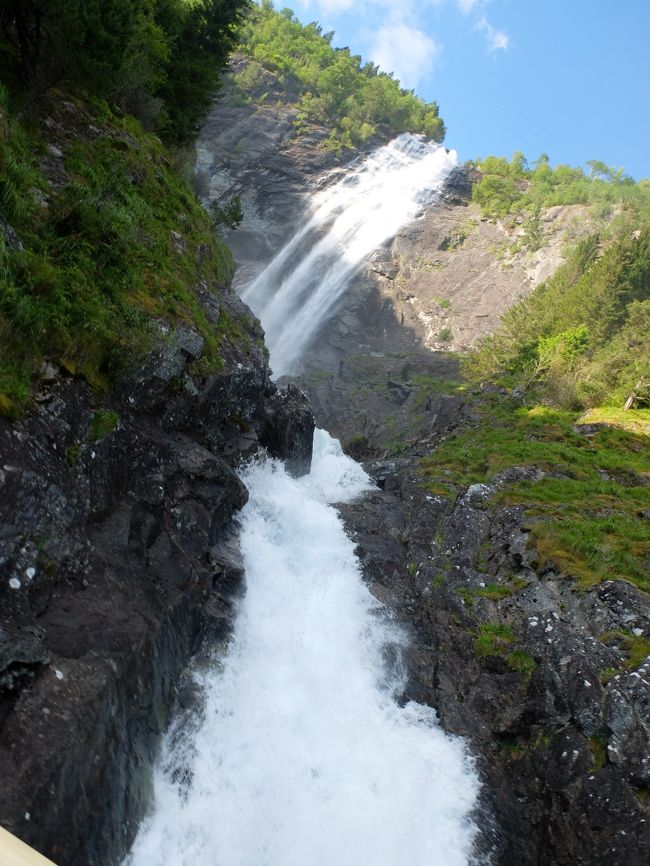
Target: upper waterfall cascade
{"points": [[302, 754], [347, 221]]}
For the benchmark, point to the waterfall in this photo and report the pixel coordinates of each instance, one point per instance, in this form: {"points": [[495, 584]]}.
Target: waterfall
{"points": [[348, 220], [301, 756]]}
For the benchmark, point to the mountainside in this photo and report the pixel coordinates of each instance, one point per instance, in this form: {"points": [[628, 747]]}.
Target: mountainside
{"points": [[479, 364]]}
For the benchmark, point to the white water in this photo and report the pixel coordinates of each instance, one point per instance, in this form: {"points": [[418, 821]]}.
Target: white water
{"points": [[302, 756], [299, 290]]}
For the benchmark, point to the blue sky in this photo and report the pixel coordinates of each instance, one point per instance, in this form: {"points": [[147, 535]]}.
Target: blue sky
{"points": [[567, 77]]}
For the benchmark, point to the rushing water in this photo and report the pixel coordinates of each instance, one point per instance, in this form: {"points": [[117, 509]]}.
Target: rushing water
{"points": [[301, 287], [302, 757]]}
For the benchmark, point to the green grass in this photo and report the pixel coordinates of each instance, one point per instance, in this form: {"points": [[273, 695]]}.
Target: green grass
{"points": [[587, 516], [494, 591], [493, 639], [521, 662], [635, 647], [98, 262]]}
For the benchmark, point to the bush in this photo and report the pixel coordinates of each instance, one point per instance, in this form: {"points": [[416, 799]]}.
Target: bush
{"points": [[544, 342]]}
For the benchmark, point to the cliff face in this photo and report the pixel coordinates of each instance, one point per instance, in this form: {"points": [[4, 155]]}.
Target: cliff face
{"points": [[117, 554], [118, 549], [441, 284]]}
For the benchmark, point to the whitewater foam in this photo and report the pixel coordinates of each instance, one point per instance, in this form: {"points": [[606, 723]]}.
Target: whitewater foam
{"points": [[302, 756]]}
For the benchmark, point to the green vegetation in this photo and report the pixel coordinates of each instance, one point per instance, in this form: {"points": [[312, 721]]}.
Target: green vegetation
{"points": [[493, 639], [585, 496], [103, 422], [494, 591], [510, 186], [101, 241], [331, 85], [157, 59], [230, 214], [98, 259], [582, 339], [635, 647], [598, 746], [521, 662]]}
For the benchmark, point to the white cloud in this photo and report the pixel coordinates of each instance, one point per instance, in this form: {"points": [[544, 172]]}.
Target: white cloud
{"points": [[497, 40], [466, 6], [404, 51]]}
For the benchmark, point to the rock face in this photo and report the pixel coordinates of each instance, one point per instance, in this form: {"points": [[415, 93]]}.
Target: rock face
{"points": [[116, 555], [288, 429], [252, 150], [444, 280], [538, 674]]}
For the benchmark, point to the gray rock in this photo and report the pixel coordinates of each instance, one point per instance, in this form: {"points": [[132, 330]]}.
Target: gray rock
{"points": [[288, 431]]}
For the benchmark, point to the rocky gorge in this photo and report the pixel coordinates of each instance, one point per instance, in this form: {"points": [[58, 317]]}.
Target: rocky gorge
{"points": [[120, 554], [547, 678]]}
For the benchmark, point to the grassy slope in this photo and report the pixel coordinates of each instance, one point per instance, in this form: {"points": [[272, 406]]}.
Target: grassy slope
{"points": [[586, 508], [94, 201]]}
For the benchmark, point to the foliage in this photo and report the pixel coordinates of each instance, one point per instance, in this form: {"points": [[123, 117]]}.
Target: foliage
{"points": [[509, 186], [230, 214], [97, 261], [583, 337], [158, 59], [331, 85], [103, 422], [585, 496]]}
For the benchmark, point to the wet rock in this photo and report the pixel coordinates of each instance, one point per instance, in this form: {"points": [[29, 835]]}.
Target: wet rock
{"points": [[117, 562], [288, 429]]}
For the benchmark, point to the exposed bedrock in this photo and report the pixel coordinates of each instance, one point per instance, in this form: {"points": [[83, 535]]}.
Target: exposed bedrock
{"points": [[116, 555], [535, 671]]}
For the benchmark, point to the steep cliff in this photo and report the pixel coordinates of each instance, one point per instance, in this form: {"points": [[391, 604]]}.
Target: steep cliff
{"points": [[118, 550]]}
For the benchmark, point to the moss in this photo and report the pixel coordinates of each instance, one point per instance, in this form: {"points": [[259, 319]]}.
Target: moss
{"points": [[103, 422], [72, 454], [598, 746], [521, 662]]}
